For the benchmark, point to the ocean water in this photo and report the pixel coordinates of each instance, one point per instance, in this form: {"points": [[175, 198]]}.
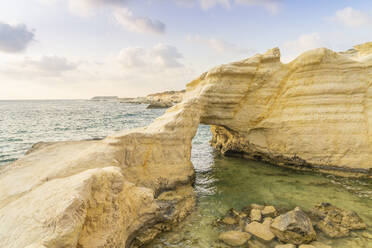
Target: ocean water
{"points": [[221, 183], [23, 123]]}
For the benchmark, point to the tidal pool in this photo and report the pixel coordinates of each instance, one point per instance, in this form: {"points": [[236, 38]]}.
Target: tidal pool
{"points": [[223, 183]]}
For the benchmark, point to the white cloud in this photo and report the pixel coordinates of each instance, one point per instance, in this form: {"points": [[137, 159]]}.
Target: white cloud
{"points": [[219, 45], [50, 65], [305, 42], [87, 7], [135, 71], [161, 55], [132, 57], [15, 38], [272, 6], [204, 4], [138, 24], [166, 55], [351, 18]]}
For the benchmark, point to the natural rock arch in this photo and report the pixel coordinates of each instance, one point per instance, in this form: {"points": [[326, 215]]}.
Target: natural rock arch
{"points": [[313, 112]]}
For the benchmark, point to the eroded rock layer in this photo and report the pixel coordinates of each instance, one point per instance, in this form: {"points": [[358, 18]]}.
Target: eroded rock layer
{"points": [[123, 190]]}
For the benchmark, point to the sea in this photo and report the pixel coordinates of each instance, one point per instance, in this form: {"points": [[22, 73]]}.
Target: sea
{"points": [[221, 183]]}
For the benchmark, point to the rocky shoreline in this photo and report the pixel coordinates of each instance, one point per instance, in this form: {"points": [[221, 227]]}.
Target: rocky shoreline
{"points": [[118, 191], [164, 99], [266, 226]]}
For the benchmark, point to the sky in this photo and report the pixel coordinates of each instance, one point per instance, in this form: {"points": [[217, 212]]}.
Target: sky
{"points": [[77, 49]]}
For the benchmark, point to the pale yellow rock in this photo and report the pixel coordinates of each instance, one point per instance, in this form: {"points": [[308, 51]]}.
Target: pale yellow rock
{"points": [[268, 211], [234, 238], [257, 206], [261, 231], [255, 215], [315, 111]]}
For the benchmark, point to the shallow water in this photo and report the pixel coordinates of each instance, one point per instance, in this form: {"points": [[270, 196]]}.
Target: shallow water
{"points": [[221, 183]]}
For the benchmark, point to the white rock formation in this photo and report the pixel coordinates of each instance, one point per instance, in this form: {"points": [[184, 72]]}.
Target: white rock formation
{"points": [[313, 112]]}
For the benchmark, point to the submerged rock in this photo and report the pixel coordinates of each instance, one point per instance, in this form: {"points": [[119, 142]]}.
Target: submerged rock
{"points": [[336, 222], [234, 238], [261, 231], [229, 220], [315, 244], [285, 246], [256, 244], [293, 227]]}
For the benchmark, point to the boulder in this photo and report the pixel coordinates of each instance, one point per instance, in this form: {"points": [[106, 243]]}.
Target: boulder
{"points": [[336, 222], [268, 211], [293, 227], [261, 231], [257, 206], [234, 238], [255, 215], [229, 220]]}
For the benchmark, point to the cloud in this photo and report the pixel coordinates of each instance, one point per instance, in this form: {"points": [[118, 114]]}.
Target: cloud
{"points": [[219, 45], [87, 7], [138, 24], [50, 65], [15, 38], [132, 57], [204, 4], [272, 6], [160, 56], [292, 49], [351, 18], [166, 55]]}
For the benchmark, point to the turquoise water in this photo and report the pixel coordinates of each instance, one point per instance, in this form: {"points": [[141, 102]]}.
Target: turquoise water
{"points": [[221, 183]]}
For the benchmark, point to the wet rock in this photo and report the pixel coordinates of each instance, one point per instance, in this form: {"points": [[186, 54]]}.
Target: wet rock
{"points": [[269, 211], [257, 206], [285, 246], [256, 244], [234, 238], [336, 222], [229, 220], [293, 227], [256, 215], [267, 221], [159, 104], [317, 244], [261, 231], [367, 235]]}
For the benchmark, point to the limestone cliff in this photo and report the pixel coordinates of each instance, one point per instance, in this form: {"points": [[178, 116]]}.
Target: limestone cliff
{"points": [[313, 112]]}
